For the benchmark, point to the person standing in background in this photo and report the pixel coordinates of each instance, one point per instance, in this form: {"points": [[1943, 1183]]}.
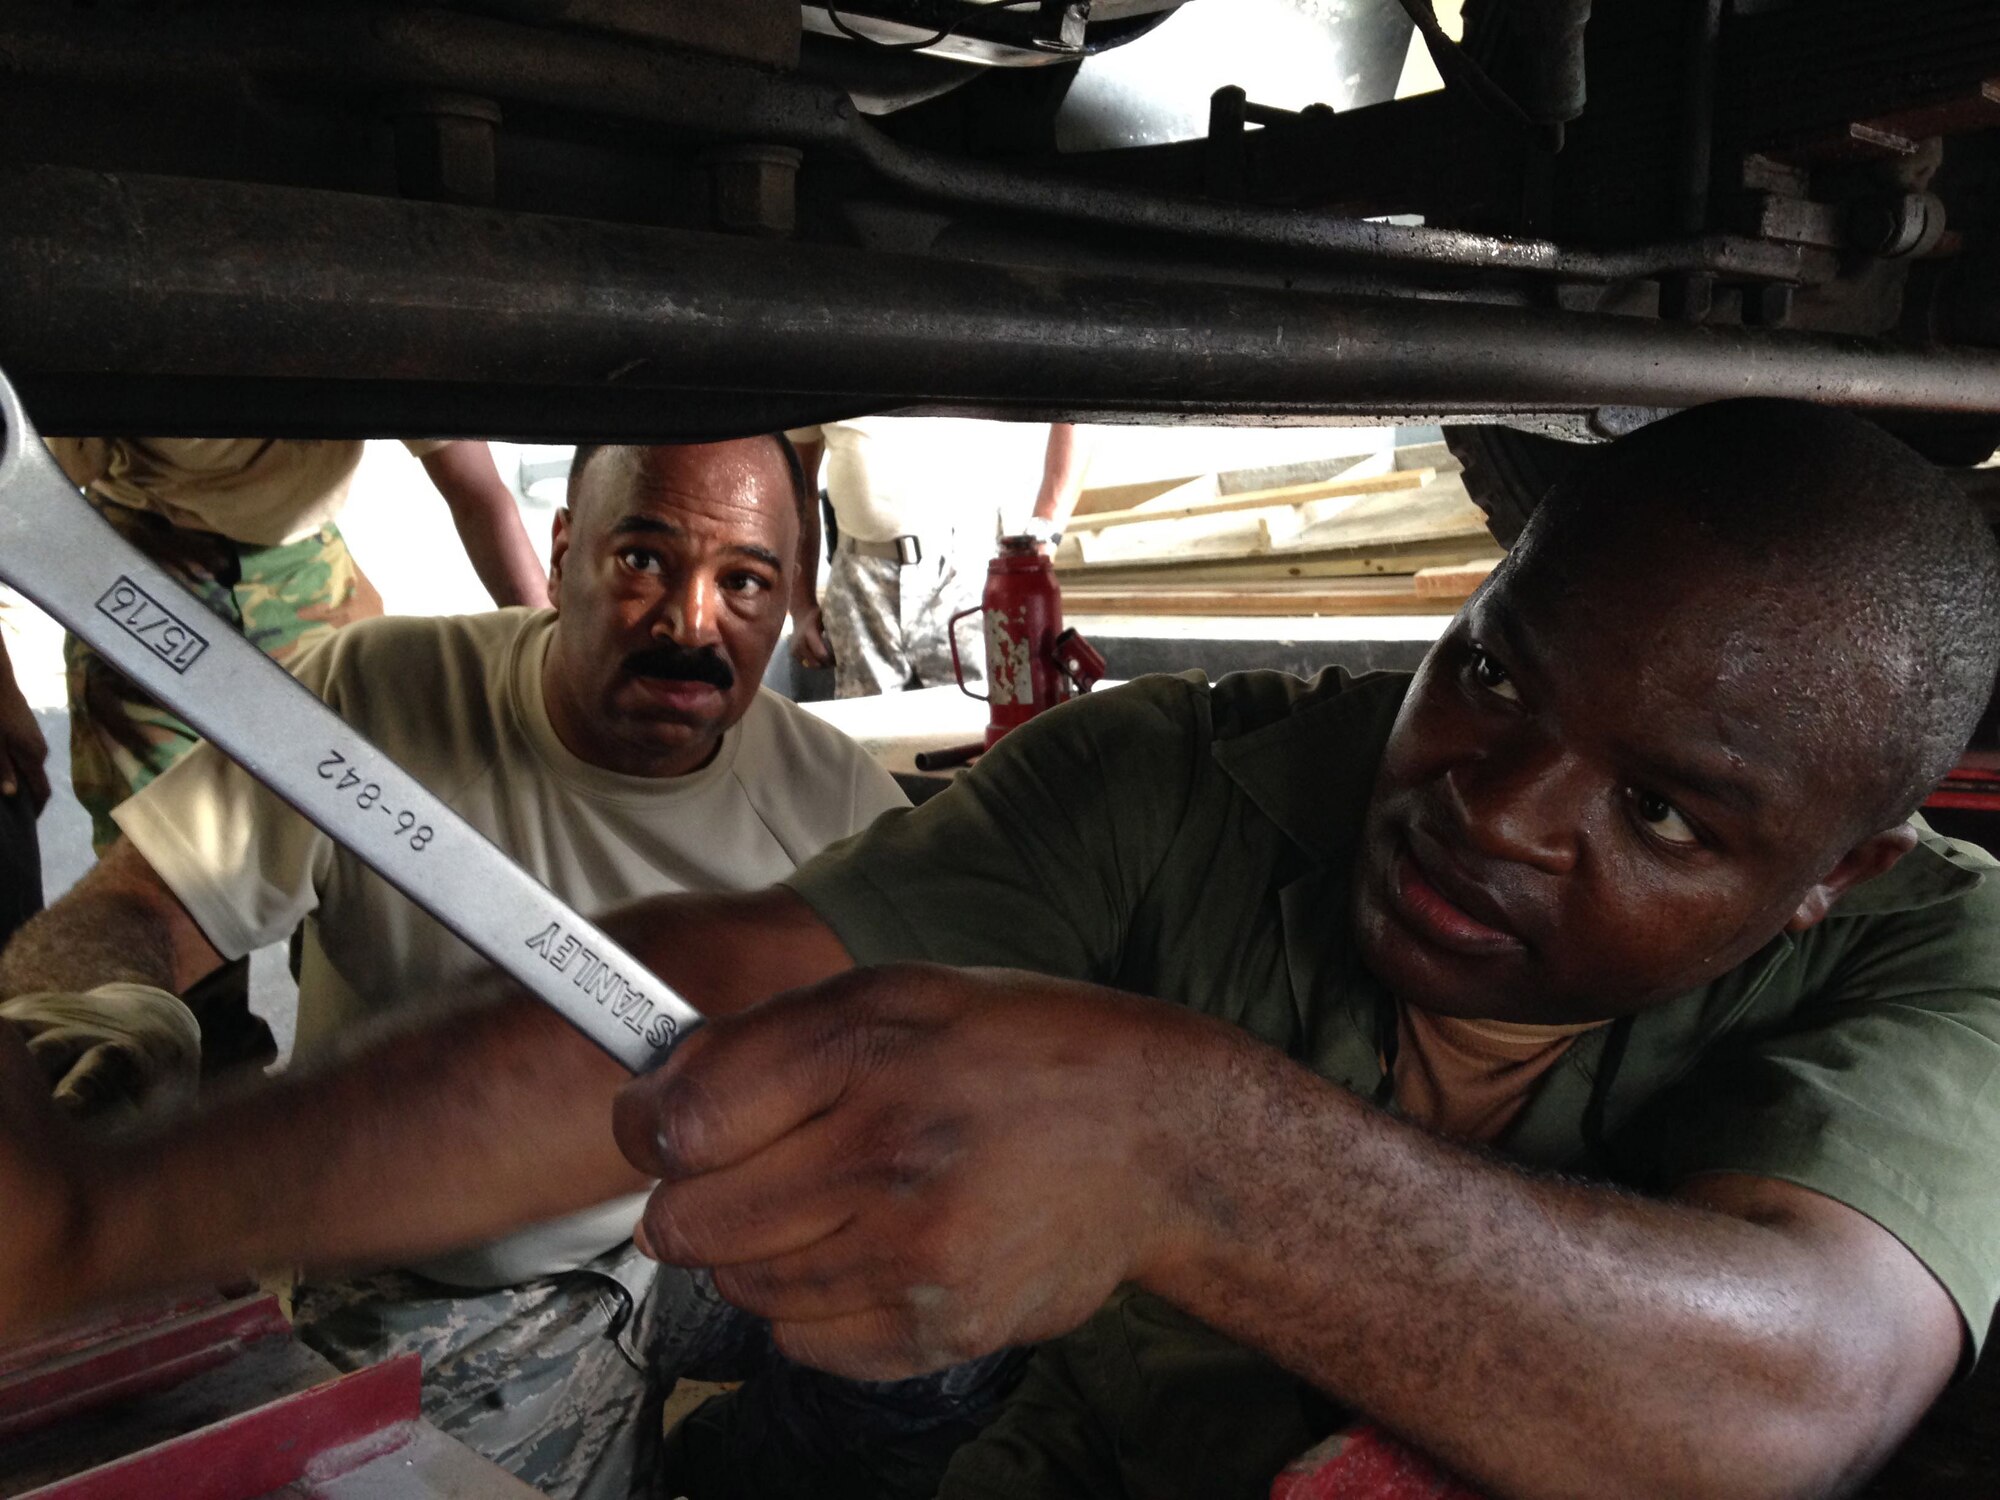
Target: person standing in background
{"points": [[917, 503], [247, 525]]}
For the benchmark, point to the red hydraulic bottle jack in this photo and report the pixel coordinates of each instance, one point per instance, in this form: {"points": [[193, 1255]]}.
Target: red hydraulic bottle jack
{"points": [[1032, 662]]}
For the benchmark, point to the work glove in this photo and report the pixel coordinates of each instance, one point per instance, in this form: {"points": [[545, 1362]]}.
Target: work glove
{"points": [[112, 1049]]}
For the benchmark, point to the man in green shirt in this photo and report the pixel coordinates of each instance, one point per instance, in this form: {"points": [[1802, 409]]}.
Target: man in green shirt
{"points": [[1620, 885]]}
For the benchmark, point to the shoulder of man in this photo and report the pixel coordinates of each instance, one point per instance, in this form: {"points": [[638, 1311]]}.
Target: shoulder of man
{"points": [[1040, 853], [1856, 1059], [402, 676], [1905, 966], [1244, 703], [1943, 896], [801, 772]]}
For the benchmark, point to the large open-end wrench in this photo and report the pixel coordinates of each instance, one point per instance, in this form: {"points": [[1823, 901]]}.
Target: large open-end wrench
{"points": [[63, 555]]}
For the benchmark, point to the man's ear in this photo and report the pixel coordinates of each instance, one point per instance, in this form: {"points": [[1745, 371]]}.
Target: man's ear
{"points": [[1874, 855], [558, 548]]}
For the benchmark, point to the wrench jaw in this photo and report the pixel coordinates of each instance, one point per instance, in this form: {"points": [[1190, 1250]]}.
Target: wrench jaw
{"points": [[16, 431], [28, 471], [22, 484]]}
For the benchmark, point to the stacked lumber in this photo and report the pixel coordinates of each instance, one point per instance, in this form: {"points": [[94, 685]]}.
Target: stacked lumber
{"points": [[1385, 535]]}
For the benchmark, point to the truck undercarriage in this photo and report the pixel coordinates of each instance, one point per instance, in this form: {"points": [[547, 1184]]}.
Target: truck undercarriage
{"points": [[590, 219]]}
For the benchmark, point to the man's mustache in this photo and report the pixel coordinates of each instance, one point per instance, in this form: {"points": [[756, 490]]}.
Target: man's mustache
{"points": [[680, 665]]}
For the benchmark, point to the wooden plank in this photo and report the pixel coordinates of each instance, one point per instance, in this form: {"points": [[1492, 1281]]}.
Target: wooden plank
{"points": [[1232, 534], [1393, 595], [1428, 456], [1388, 555], [1337, 526], [1198, 491], [1454, 583], [1297, 494], [1307, 471], [1112, 497]]}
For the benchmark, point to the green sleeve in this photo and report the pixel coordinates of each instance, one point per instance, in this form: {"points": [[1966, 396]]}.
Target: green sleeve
{"points": [[1881, 1092], [1036, 857]]}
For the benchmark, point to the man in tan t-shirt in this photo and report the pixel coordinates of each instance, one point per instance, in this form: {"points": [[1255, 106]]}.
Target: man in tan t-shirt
{"points": [[617, 745]]}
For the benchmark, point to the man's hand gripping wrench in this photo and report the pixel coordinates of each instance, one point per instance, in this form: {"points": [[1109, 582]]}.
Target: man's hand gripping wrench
{"points": [[60, 553]]}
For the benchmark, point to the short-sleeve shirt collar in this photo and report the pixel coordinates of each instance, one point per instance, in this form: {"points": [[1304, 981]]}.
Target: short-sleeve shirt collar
{"points": [[1311, 772]]}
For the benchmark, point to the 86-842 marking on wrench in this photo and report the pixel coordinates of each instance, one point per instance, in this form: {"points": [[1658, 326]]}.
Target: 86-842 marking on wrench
{"points": [[336, 768]]}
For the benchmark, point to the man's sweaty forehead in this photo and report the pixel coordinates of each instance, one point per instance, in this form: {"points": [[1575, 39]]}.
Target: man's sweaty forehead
{"points": [[747, 475], [1733, 682]]}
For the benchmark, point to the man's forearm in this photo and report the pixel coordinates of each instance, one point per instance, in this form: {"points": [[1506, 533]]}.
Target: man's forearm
{"points": [[103, 931], [23, 751], [1545, 1337], [471, 1126], [1062, 474], [422, 1143], [489, 523], [805, 590], [75, 949]]}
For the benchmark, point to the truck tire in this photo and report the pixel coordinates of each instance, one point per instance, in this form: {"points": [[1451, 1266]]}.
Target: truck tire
{"points": [[1508, 471]]}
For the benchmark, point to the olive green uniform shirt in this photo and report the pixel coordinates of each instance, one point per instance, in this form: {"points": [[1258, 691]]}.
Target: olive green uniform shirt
{"points": [[1196, 844]]}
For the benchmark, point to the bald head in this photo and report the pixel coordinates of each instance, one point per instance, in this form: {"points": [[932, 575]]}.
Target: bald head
{"points": [[1805, 544], [614, 467]]}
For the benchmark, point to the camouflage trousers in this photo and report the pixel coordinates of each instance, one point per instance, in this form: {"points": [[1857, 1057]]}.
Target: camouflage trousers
{"points": [[283, 598], [562, 1382], [547, 1379], [887, 625]]}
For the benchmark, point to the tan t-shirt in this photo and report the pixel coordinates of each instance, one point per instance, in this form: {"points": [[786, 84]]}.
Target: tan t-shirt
{"points": [[929, 476], [458, 702], [1471, 1079], [259, 491]]}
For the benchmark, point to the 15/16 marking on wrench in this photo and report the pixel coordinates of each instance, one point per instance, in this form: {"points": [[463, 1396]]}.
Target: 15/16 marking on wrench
{"points": [[152, 624]]}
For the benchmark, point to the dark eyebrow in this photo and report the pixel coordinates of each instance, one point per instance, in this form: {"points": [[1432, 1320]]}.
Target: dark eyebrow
{"points": [[1522, 658], [1739, 794], [762, 554], [637, 525], [653, 525], [1517, 653], [1733, 792]]}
